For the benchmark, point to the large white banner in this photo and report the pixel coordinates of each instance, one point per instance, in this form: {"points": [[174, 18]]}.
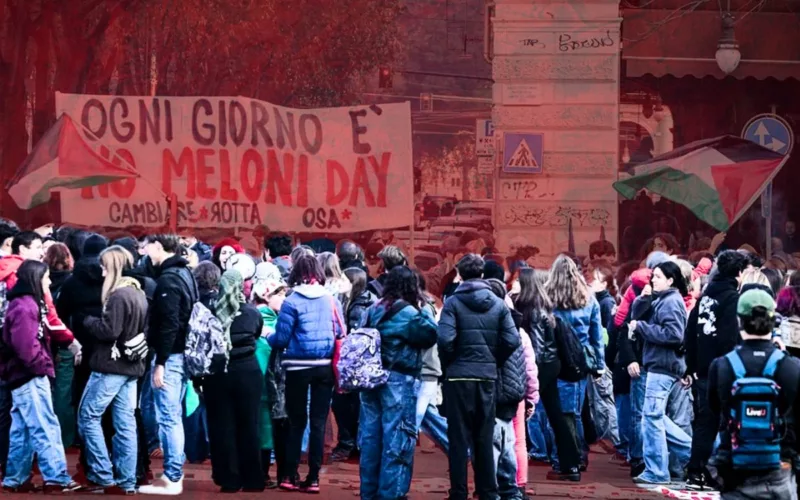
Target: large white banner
{"points": [[238, 162]]}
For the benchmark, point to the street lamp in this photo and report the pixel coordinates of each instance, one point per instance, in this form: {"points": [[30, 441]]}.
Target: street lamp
{"points": [[728, 55]]}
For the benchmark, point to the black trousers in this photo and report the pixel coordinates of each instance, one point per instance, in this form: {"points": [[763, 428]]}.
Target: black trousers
{"points": [[280, 435], [704, 427], [346, 408], [470, 421], [233, 404], [563, 427], [298, 382]]}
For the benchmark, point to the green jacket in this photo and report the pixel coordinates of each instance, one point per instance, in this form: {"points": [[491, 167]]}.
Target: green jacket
{"points": [[263, 351]]}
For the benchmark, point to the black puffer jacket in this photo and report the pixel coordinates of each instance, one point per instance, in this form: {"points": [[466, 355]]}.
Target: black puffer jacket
{"points": [[175, 296], [512, 380], [476, 333]]}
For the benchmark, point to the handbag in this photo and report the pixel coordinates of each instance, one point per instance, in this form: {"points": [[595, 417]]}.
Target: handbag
{"points": [[337, 342]]}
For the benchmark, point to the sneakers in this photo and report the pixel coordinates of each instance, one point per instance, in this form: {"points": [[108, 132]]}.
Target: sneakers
{"points": [[637, 469], [57, 489], [289, 484], [310, 486], [701, 481], [573, 474], [641, 480], [91, 487], [163, 486]]}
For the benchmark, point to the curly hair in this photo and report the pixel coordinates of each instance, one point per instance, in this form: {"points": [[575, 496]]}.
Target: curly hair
{"points": [[403, 284], [566, 286]]}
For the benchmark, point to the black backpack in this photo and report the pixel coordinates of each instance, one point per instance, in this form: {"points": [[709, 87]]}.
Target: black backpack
{"points": [[570, 352]]}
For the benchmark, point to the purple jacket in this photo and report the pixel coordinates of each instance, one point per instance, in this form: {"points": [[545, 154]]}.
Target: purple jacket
{"points": [[27, 353]]}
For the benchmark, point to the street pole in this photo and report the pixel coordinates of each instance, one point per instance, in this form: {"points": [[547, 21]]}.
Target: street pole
{"points": [[767, 200]]}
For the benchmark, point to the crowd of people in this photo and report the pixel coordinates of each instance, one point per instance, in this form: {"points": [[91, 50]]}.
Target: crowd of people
{"points": [[162, 346]]}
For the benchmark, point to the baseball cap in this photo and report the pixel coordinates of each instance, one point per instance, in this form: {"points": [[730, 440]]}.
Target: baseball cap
{"points": [[751, 299]]}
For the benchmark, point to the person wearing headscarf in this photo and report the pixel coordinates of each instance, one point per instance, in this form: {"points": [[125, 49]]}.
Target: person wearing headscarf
{"points": [[233, 396]]}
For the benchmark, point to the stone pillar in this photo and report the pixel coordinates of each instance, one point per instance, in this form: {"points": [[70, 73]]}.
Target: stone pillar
{"points": [[556, 72]]}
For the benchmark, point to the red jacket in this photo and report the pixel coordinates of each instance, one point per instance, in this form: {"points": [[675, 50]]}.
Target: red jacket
{"points": [[639, 279], [58, 331]]}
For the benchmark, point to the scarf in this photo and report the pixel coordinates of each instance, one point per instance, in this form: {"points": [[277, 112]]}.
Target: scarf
{"points": [[230, 300]]}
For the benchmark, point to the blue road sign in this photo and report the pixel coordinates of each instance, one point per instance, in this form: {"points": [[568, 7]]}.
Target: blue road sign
{"points": [[523, 153], [771, 131]]}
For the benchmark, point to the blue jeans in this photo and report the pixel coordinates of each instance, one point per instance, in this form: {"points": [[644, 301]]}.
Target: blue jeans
{"points": [[637, 404], [119, 391], [428, 418], [147, 404], [572, 395], [623, 403], [505, 459], [541, 443], [169, 416], [35, 429], [387, 438], [666, 446]]}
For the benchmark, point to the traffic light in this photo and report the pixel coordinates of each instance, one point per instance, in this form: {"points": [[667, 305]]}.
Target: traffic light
{"points": [[385, 78]]}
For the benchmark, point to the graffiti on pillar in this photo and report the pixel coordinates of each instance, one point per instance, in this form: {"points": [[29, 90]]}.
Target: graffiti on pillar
{"points": [[553, 216], [572, 42], [532, 43]]}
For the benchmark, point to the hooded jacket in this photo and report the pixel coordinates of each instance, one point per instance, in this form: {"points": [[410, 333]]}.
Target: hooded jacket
{"points": [[124, 316], [81, 296], [59, 333], [662, 333], [404, 336], [57, 280], [639, 279], [307, 326], [27, 352], [476, 333], [713, 327], [175, 295], [358, 310]]}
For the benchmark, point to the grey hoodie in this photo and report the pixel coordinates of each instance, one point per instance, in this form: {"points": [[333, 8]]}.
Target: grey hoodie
{"points": [[663, 334]]}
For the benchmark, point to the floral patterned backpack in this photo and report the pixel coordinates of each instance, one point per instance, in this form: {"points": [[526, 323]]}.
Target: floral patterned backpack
{"points": [[359, 366]]}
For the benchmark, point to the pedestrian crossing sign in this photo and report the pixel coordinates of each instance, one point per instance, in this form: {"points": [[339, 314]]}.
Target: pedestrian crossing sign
{"points": [[523, 153]]}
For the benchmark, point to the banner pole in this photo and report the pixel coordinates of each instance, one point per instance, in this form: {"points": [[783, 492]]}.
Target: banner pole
{"points": [[173, 213]]}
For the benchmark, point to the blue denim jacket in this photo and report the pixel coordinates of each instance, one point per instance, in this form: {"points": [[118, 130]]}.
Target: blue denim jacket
{"points": [[586, 324]]}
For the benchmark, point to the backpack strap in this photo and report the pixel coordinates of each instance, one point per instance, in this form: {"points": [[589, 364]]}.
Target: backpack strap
{"points": [[736, 363], [772, 363]]}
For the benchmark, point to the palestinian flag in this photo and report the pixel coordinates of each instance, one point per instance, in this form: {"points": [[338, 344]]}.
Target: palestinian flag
{"points": [[61, 159], [717, 179]]}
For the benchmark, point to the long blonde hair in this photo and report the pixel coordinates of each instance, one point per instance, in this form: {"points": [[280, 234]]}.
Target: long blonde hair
{"points": [[114, 260], [566, 286], [330, 265]]}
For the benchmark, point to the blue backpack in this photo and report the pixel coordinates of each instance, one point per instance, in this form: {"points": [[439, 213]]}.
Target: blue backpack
{"points": [[755, 423]]}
